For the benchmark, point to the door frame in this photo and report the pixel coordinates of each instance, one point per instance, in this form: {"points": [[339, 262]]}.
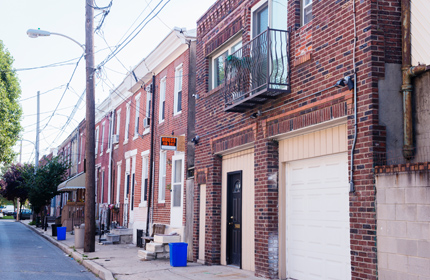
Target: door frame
{"points": [[177, 156], [240, 172]]}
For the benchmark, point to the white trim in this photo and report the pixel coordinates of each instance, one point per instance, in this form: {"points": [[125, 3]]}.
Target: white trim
{"points": [[136, 116], [145, 175], [302, 12], [162, 173], [97, 140], [178, 78], [130, 153], [103, 138], [127, 122], [162, 95], [227, 46]]}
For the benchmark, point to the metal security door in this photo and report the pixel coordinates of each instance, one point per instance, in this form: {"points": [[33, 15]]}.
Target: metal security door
{"points": [[234, 218]]}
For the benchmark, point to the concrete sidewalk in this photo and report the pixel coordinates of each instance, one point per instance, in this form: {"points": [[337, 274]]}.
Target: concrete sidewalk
{"points": [[120, 261]]}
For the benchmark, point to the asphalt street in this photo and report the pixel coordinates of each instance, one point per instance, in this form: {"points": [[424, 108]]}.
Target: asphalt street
{"points": [[26, 255]]}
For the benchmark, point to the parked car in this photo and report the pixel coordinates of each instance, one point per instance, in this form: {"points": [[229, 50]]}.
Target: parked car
{"points": [[8, 210], [25, 214]]}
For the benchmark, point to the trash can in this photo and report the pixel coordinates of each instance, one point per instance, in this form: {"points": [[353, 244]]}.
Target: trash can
{"points": [[79, 236], [54, 229], [178, 253], [61, 233]]}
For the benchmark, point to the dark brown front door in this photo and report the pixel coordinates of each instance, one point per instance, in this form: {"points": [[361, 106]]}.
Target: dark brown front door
{"points": [[234, 217]]}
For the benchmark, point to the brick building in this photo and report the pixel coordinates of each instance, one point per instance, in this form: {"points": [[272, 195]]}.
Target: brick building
{"points": [[287, 116]]}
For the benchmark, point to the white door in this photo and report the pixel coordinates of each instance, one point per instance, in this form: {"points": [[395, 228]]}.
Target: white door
{"points": [[318, 245], [177, 188]]}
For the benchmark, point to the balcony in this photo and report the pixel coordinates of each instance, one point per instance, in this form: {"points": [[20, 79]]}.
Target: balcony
{"points": [[258, 72]]}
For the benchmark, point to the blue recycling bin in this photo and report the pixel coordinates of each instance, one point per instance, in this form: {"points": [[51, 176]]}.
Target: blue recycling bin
{"points": [[61, 233], [178, 254]]}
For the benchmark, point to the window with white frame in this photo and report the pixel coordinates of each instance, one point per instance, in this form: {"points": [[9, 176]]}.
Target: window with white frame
{"points": [[110, 131], [80, 149], [97, 139], [269, 13], [103, 138], [127, 122], [162, 175], [136, 116], [145, 167], [118, 122], [162, 107], [147, 120], [118, 182], [218, 59], [306, 11], [177, 102]]}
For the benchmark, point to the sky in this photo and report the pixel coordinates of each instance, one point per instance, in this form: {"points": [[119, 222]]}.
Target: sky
{"points": [[49, 64]]}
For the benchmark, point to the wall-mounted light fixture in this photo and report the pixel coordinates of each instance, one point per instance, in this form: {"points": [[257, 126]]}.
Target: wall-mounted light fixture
{"points": [[195, 140], [256, 115], [346, 81]]}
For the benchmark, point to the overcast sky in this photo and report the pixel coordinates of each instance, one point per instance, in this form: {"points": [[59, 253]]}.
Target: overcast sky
{"points": [[68, 17]]}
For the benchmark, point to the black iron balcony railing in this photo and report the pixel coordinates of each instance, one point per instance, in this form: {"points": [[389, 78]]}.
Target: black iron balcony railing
{"points": [[257, 72]]}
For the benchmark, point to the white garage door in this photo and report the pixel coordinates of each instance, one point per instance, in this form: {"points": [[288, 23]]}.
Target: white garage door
{"points": [[318, 244]]}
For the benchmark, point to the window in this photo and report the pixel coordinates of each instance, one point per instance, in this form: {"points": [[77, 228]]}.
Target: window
{"points": [[178, 90], [118, 182], [146, 123], [144, 191], [306, 11], [127, 122], [118, 121], [103, 138], [261, 19], [162, 106], [177, 183], [80, 152], [273, 14], [97, 139], [136, 117], [162, 181], [110, 132], [217, 68]]}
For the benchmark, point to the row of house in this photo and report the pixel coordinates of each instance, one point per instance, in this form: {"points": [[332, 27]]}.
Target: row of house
{"points": [[283, 140]]}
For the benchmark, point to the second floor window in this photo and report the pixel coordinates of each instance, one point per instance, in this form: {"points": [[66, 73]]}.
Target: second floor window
{"points": [[218, 59], [97, 139], [162, 107], [136, 117], [103, 138], [306, 11], [127, 122], [178, 90]]}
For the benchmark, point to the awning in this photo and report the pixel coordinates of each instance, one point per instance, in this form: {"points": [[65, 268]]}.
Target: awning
{"points": [[72, 184]]}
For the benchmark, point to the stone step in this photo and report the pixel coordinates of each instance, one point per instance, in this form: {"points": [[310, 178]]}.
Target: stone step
{"points": [[112, 237], [155, 247], [163, 255], [104, 242], [167, 238], [146, 255]]}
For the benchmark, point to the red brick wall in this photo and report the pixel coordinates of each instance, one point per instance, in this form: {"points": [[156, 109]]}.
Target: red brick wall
{"points": [[321, 54]]}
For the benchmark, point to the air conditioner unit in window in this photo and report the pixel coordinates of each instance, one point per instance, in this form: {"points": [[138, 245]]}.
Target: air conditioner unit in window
{"points": [[115, 139], [146, 122]]}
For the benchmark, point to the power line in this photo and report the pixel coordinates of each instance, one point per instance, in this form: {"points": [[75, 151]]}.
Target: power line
{"points": [[73, 74], [34, 96], [122, 45]]}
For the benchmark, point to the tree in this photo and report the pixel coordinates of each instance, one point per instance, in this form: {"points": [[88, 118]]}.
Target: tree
{"points": [[10, 110], [13, 184], [43, 184]]}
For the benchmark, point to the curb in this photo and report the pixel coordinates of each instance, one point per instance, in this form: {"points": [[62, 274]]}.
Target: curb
{"points": [[95, 268]]}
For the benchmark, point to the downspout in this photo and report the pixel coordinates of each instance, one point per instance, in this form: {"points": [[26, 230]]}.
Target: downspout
{"points": [[110, 157], [408, 72], [151, 157], [351, 172]]}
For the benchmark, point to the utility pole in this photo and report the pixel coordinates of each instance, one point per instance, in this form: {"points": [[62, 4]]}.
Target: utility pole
{"points": [[90, 219]]}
